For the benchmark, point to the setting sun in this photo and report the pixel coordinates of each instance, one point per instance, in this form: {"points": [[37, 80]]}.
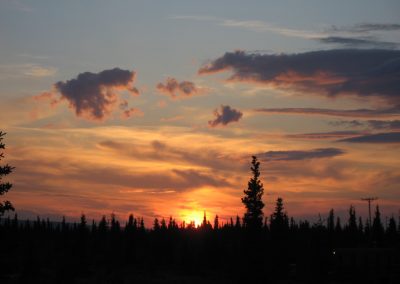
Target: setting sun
{"points": [[195, 216]]}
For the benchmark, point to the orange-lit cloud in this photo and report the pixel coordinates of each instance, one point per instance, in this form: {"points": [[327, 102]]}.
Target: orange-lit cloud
{"points": [[171, 171]]}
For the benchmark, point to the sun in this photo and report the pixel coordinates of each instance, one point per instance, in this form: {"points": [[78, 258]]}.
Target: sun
{"points": [[195, 216]]}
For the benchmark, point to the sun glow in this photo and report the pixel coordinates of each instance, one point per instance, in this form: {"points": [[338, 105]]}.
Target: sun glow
{"points": [[195, 216]]}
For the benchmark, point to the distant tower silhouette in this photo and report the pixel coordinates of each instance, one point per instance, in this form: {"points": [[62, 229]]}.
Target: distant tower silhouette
{"points": [[369, 199]]}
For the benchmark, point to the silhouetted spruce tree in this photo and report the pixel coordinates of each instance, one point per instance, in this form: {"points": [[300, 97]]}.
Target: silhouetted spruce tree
{"points": [[253, 198], [216, 223], [163, 224], [331, 221], [377, 227], [4, 186], [352, 225], [338, 226], [141, 225], [83, 223], [279, 219], [103, 225], [237, 224], [156, 225], [63, 225], [115, 227], [360, 226], [391, 232]]}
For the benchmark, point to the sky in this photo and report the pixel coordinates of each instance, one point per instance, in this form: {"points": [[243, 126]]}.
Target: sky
{"points": [[155, 107]]}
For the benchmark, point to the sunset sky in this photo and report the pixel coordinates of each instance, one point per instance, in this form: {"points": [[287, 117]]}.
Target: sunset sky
{"points": [[156, 107]]}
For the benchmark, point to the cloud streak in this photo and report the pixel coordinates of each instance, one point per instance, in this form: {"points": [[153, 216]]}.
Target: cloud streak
{"points": [[332, 73], [366, 27], [364, 42], [378, 138], [225, 115], [324, 135], [299, 155], [361, 113], [92, 95], [372, 124]]}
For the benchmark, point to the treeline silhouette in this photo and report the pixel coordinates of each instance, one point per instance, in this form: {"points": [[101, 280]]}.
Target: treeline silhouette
{"points": [[330, 250]]}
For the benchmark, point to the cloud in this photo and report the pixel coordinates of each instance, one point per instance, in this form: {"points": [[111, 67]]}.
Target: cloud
{"points": [[92, 95], [159, 151], [128, 113], [365, 42], [227, 115], [176, 89], [362, 113], [391, 137], [324, 135], [372, 124], [338, 72], [251, 25], [29, 70], [384, 124], [366, 27], [299, 155]]}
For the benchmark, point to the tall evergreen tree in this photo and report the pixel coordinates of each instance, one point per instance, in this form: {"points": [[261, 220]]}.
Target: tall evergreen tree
{"points": [[253, 198], [4, 186]]}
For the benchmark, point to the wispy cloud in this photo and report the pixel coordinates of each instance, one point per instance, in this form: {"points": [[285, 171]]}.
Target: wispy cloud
{"points": [[252, 25], [10, 71], [357, 35]]}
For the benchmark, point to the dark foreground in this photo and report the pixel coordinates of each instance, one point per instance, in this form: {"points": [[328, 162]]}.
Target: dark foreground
{"points": [[44, 252]]}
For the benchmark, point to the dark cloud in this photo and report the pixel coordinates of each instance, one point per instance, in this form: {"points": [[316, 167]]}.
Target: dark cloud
{"points": [[334, 112], [366, 27], [391, 137], [384, 124], [347, 123], [339, 72], [92, 95], [365, 42], [324, 135], [176, 89], [300, 155], [227, 115], [372, 124]]}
